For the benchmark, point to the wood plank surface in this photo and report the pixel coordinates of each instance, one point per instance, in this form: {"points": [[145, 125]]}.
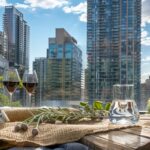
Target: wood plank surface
{"points": [[136, 138], [98, 143], [144, 132]]}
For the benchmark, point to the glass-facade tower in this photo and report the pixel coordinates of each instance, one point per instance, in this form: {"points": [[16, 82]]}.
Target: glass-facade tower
{"points": [[17, 32], [64, 67], [113, 46], [60, 73]]}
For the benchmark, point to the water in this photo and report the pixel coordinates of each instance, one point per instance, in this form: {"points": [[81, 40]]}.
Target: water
{"points": [[124, 112]]}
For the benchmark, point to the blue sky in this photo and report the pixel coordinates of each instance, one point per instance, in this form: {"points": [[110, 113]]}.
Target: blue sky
{"points": [[43, 16]]}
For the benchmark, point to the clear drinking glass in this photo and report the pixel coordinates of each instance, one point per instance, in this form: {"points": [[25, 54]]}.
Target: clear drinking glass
{"points": [[30, 82], [123, 108], [11, 80]]}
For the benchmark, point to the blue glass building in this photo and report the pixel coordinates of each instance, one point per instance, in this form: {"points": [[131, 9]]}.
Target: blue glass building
{"points": [[60, 72], [113, 46]]}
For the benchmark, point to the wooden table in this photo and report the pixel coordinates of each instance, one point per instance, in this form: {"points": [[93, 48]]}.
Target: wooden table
{"points": [[135, 138]]}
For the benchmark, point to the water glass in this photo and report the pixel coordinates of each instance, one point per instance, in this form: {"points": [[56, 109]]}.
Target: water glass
{"points": [[123, 108]]}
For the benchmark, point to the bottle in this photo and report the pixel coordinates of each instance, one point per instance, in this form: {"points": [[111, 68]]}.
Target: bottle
{"points": [[123, 109]]}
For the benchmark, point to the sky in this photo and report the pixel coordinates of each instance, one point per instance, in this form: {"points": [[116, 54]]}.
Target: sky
{"points": [[43, 16]]}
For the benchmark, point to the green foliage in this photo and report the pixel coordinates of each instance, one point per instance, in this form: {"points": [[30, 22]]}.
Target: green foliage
{"points": [[97, 110], [83, 104], [98, 105], [1, 79], [4, 101], [20, 84], [107, 106]]}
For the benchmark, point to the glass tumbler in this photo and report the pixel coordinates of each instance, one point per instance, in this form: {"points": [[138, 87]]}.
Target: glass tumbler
{"points": [[123, 108]]}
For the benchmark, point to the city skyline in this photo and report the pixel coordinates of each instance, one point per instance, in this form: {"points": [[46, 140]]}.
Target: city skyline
{"points": [[72, 16]]}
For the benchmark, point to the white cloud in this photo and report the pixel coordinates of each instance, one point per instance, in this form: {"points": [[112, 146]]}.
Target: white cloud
{"points": [[144, 33], [80, 9], [83, 17], [145, 38], [45, 4], [3, 3], [19, 5], [146, 41], [146, 59], [145, 12], [144, 76], [33, 4]]}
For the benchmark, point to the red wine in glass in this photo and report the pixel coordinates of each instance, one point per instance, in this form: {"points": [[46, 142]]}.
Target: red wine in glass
{"points": [[11, 86], [30, 87], [30, 82], [11, 80]]}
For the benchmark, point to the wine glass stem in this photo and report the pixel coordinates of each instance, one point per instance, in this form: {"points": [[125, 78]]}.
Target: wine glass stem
{"points": [[10, 99], [30, 100]]}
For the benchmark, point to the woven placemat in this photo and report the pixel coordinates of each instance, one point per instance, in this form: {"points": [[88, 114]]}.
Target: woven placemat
{"points": [[51, 134]]}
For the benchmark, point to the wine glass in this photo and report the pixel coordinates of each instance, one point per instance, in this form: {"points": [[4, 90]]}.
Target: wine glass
{"points": [[30, 82], [11, 80]]}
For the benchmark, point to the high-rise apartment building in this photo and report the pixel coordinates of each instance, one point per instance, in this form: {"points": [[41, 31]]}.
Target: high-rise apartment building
{"points": [[113, 46], [3, 64], [65, 66], [3, 44], [40, 65], [145, 93], [60, 73], [16, 31]]}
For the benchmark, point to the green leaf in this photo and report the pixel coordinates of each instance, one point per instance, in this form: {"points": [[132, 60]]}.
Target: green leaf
{"points": [[83, 104], [98, 105], [107, 106]]}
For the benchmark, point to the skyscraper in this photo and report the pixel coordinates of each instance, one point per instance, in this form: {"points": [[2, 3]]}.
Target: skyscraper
{"points": [[17, 32], [145, 93], [65, 66], [60, 72], [40, 65], [113, 46], [3, 44]]}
